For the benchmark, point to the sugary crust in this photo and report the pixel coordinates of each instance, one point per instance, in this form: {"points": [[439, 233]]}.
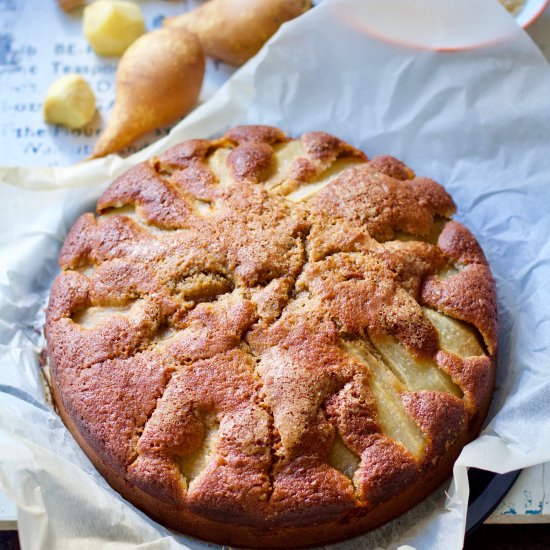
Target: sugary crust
{"points": [[223, 340], [382, 205]]}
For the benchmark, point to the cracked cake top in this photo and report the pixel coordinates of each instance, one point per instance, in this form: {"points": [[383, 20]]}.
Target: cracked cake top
{"points": [[272, 342]]}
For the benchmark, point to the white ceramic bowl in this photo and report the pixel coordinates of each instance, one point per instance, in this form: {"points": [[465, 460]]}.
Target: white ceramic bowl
{"points": [[531, 11]]}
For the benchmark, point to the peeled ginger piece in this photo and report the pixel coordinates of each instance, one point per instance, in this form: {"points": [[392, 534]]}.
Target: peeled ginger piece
{"points": [[158, 81], [70, 102], [111, 26], [235, 30]]}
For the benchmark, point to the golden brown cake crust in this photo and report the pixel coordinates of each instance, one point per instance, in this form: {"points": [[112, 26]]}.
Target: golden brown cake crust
{"points": [[269, 342]]}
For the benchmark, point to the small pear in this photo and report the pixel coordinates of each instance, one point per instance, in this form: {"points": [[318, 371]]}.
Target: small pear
{"points": [[235, 30], [159, 79]]}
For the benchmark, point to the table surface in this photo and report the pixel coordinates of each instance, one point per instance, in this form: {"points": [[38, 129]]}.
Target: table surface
{"points": [[529, 499]]}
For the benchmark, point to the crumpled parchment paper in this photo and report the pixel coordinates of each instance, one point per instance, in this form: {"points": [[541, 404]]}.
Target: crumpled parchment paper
{"points": [[457, 91]]}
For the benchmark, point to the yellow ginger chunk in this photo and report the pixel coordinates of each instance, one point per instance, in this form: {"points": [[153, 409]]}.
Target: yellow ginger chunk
{"points": [[70, 102], [111, 26]]}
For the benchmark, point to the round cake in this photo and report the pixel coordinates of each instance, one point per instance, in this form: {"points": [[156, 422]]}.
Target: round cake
{"points": [[272, 342]]}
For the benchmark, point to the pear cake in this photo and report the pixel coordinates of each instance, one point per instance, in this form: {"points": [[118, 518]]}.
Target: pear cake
{"points": [[270, 342]]}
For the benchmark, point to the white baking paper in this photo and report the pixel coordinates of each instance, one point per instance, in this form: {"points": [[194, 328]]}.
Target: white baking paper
{"points": [[457, 91]]}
